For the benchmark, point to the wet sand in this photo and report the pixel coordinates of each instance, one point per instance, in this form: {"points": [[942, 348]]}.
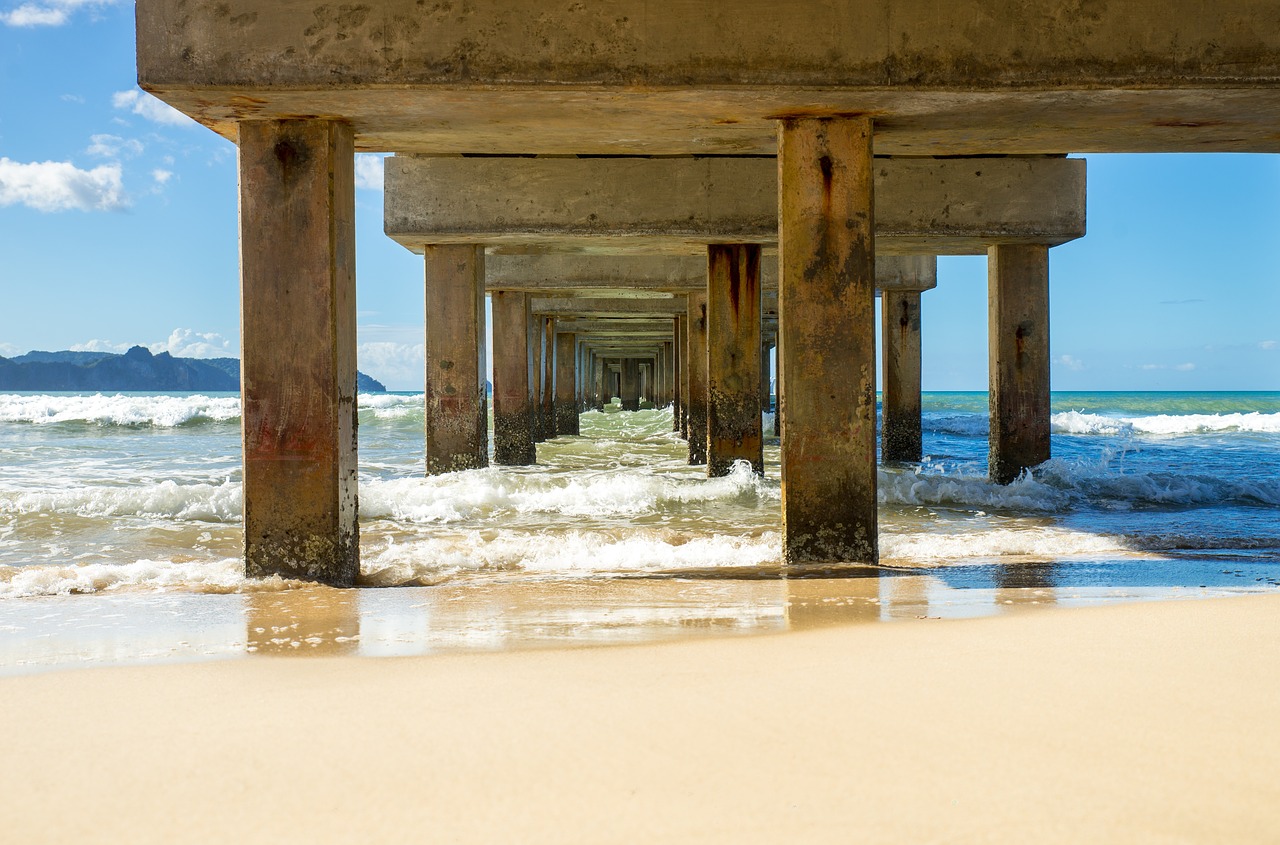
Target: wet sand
{"points": [[1145, 722]]}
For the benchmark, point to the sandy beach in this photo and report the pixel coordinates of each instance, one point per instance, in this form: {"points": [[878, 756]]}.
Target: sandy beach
{"points": [[1144, 722]]}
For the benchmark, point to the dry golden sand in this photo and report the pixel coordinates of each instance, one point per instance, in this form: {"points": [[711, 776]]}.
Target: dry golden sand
{"points": [[1155, 722]]}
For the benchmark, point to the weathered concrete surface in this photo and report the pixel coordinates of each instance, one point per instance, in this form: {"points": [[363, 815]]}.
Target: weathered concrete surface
{"points": [[678, 205], [547, 406], [566, 398], [677, 375], [827, 334], [297, 268], [696, 408], [513, 443], [1018, 345], [900, 436], [733, 358], [457, 412], [766, 393], [536, 350], [582, 306], [629, 388], [577, 276], [619, 76]]}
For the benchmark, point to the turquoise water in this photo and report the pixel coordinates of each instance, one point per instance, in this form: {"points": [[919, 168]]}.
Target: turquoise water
{"points": [[137, 498]]}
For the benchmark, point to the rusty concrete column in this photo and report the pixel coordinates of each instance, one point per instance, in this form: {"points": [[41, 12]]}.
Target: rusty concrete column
{"points": [[629, 384], [566, 401], [512, 367], [597, 382], [677, 351], [900, 438], [298, 336], [456, 406], [828, 347], [777, 384], [547, 405], [697, 408], [669, 374], [1018, 352], [733, 358], [766, 396]]}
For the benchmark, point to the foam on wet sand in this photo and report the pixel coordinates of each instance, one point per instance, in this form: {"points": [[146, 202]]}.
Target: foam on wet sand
{"points": [[1145, 722]]}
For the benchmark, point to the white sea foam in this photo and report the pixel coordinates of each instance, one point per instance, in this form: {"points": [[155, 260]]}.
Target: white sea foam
{"points": [[222, 576], [202, 502], [1043, 542], [162, 411], [1081, 423], [1027, 493], [157, 411]]}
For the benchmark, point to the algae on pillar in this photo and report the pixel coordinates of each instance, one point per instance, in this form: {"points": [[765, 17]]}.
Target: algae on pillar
{"points": [[566, 395], [827, 340], [696, 331], [1018, 349], [298, 377], [513, 409], [733, 358], [900, 436]]}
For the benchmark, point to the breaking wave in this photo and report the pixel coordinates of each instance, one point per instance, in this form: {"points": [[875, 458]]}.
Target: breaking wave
{"points": [[135, 410]]}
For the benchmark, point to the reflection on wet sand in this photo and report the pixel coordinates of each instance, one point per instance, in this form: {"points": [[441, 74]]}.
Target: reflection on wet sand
{"points": [[316, 621]]}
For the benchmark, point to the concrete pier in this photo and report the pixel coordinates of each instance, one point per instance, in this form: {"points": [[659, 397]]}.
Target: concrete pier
{"points": [[513, 418], [900, 427], [566, 399], [733, 358], [677, 373], [547, 401], [457, 412], [298, 377], [629, 389], [535, 374], [827, 333], [1018, 344], [696, 407]]}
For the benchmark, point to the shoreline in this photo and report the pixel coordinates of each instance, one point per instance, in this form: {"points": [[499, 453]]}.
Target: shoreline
{"points": [[1137, 722]]}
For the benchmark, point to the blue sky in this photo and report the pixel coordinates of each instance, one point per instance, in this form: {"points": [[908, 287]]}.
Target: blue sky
{"points": [[118, 227]]}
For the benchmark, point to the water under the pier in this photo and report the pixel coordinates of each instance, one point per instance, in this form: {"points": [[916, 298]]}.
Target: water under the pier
{"points": [[120, 530]]}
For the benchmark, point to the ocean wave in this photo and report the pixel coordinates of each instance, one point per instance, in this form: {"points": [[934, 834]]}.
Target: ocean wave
{"points": [[1027, 493], [162, 411], [1043, 542], [1076, 422], [166, 499], [221, 576]]}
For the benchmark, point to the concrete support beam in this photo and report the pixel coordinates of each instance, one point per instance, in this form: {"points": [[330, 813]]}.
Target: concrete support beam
{"points": [[696, 432], [536, 352], [669, 373], [678, 205], [633, 306], [682, 338], [547, 403], [1018, 343], [297, 269], [677, 377], [766, 395], [629, 389], [457, 413], [733, 358], [566, 401], [597, 374], [513, 417], [900, 437], [827, 341]]}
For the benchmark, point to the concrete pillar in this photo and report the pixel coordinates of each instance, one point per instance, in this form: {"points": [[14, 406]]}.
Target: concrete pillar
{"points": [[566, 402], [457, 410], [900, 438], [827, 332], [535, 375], [733, 358], [1018, 345], [598, 380], [669, 374], [766, 396], [777, 385], [512, 369], [547, 405], [677, 351], [629, 387], [298, 377], [697, 408]]}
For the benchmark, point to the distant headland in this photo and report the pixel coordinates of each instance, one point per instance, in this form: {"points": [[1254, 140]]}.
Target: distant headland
{"points": [[136, 369]]}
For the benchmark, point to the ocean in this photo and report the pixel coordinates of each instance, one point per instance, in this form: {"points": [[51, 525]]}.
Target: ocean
{"points": [[120, 530]]}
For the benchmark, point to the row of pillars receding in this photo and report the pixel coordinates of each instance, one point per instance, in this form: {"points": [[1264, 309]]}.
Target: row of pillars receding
{"points": [[300, 479]]}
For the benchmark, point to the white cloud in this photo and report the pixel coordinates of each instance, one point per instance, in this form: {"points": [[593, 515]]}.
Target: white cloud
{"points": [[400, 366], [161, 176], [1070, 362], [1268, 344], [113, 146], [1185, 367], [96, 345], [60, 185], [369, 171], [185, 343], [141, 103], [73, 98], [49, 12], [8, 350]]}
